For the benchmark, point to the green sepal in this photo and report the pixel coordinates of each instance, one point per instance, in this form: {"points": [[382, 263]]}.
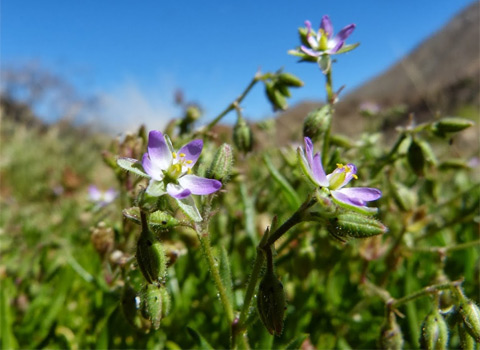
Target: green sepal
{"points": [[354, 225], [347, 48], [189, 208], [434, 331], [325, 63], [361, 210], [132, 165], [451, 124], [158, 220], [151, 304], [290, 79], [155, 188], [151, 257]]}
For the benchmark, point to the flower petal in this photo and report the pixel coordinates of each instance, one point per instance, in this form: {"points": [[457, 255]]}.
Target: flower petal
{"points": [[326, 25], [199, 185], [110, 195], [309, 149], [345, 32], [365, 194], [177, 191], [158, 150], [318, 171], [342, 197], [94, 193], [152, 169], [192, 151], [309, 51]]}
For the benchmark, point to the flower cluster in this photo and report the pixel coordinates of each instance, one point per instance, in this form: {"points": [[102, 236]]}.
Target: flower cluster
{"points": [[352, 197], [101, 198]]}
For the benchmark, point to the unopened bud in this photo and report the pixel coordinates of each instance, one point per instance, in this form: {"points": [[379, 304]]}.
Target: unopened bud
{"points": [[354, 225], [471, 318], [434, 331], [416, 158], [242, 136], [151, 257], [221, 166], [151, 304], [451, 124], [290, 80], [391, 337], [192, 113], [317, 122], [271, 303]]}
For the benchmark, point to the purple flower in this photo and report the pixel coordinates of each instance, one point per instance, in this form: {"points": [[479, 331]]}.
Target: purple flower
{"points": [[101, 198], [323, 41], [352, 197], [172, 170]]}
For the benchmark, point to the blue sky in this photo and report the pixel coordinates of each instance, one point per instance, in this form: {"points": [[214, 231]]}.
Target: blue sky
{"points": [[135, 54]]}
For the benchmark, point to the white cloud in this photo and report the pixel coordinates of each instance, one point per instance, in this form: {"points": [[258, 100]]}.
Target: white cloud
{"points": [[129, 105]]}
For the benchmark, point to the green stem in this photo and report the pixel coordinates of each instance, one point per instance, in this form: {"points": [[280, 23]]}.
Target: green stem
{"points": [[207, 249], [390, 156], [426, 291], [235, 103]]}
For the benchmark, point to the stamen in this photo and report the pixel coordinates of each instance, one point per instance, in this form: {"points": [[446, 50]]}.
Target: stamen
{"points": [[174, 155], [189, 161], [189, 170], [182, 155], [355, 176]]}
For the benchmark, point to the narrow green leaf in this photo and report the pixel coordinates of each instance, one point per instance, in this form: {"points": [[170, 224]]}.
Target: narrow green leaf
{"points": [[249, 213], [296, 342], [7, 337], [132, 165], [202, 343], [290, 195]]}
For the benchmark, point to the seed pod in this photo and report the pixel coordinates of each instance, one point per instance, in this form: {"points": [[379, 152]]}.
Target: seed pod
{"points": [[275, 97], [391, 337], [102, 238], [151, 257], [434, 331], [290, 80], [242, 136], [452, 124], [192, 113], [466, 340], [151, 304], [221, 166], [283, 89], [271, 303], [416, 158], [471, 317], [354, 225], [317, 122], [166, 301]]}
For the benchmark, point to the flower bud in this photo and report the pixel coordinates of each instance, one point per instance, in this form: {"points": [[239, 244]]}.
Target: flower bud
{"points": [[416, 158], [471, 318], [221, 166], [317, 122], [290, 80], [271, 303], [451, 124], [391, 337], [354, 225], [151, 257], [151, 303], [434, 332], [192, 113], [242, 136], [466, 340]]}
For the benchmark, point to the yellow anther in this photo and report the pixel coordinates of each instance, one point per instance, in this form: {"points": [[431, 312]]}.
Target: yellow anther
{"points": [[355, 177], [182, 155], [174, 155], [189, 170], [189, 161]]}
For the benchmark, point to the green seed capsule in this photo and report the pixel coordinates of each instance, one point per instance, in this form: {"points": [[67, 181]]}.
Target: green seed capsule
{"points": [[290, 80], [416, 158], [151, 257], [317, 122], [275, 96], [434, 332], [192, 113], [271, 303], [452, 124], [391, 337], [466, 340], [151, 304], [242, 136], [222, 164], [471, 318], [354, 225]]}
